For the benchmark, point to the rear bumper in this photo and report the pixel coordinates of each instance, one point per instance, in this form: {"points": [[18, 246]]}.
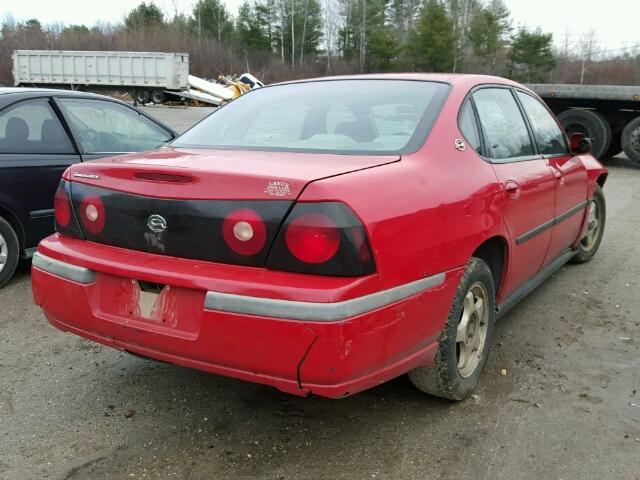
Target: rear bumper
{"points": [[332, 339]]}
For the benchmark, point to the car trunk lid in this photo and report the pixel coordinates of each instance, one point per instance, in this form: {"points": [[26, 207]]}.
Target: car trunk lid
{"points": [[218, 174]]}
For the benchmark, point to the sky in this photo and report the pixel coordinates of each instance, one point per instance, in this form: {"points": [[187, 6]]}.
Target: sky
{"points": [[614, 21]]}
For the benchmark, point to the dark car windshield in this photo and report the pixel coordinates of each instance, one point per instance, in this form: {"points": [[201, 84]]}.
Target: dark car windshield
{"points": [[336, 116]]}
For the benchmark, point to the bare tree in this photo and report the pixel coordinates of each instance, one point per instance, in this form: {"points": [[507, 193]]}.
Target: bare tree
{"points": [[588, 48]]}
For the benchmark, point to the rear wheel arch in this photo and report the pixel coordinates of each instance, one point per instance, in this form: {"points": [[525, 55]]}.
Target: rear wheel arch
{"points": [[494, 252]]}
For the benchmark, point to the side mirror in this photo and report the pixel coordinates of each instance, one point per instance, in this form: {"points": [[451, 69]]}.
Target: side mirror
{"points": [[579, 144]]}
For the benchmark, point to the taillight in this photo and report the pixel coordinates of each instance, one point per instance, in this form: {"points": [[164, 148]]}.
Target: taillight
{"points": [[62, 206], [244, 231], [323, 238], [92, 214], [312, 238], [63, 213]]}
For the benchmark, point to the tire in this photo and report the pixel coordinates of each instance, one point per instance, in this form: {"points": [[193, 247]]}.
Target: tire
{"points": [[9, 251], [158, 97], [590, 242], [143, 96], [592, 124], [631, 139], [449, 376]]}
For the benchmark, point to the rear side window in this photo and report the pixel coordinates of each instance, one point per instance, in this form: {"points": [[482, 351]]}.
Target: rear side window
{"points": [[102, 126], [32, 127], [469, 127], [549, 137], [505, 129]]}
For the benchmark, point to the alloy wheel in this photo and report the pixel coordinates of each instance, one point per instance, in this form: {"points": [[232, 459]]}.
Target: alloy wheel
{"points": [[593, 227], [471, 333]]}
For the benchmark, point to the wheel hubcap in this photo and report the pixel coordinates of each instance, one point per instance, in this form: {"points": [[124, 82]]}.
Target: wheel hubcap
{"points": [[472, 329], [593, 227], [4, 252]]}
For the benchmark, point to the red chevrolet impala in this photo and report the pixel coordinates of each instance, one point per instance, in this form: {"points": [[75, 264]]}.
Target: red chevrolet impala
{"points": [[325, 236]]}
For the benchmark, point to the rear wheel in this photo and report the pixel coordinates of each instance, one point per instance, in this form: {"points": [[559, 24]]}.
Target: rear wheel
{"points": [[464, 343], [9, 251], [592, 237], [591, 124], [631, 139]]}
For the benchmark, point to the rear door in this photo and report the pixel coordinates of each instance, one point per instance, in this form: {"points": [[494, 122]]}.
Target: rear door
{"points": [[568, 170], [34, 151], [104, 128], [528, 184]]}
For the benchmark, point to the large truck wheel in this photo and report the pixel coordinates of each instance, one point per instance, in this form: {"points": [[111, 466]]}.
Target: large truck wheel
{"points": [[158, 97], [631, 139], [590, 123], [143, 96]]}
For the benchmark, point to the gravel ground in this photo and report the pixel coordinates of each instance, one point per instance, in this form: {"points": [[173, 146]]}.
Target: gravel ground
{"points": [[567, 408]]}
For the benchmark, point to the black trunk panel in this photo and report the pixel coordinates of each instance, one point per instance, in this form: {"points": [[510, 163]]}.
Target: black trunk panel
{"points": [[193, 227]]}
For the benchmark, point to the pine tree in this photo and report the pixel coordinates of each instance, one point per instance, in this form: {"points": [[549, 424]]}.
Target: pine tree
{"points": [[432, 43], [531, 55]]}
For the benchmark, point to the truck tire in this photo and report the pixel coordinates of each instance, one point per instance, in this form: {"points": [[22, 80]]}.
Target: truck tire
{"points": [[631, 140], [143, 96], [592, 124], [9, 251], [158, 97]]}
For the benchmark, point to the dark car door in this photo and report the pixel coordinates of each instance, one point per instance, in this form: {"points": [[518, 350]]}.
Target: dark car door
{"points": [[568, 170], [34, 151], [528, 184], [104, 128]]}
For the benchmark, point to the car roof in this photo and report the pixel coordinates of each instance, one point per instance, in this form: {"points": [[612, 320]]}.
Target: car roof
{"points": [[455, 79], [27, 91]]}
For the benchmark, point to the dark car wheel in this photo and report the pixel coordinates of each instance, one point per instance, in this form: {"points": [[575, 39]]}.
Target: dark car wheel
{"points": [[590, 123], [465, 341], [9, 251], [592, 237]]}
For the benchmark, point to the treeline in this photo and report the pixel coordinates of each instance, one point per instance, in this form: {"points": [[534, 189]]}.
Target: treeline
{"points": [[284, 39]]}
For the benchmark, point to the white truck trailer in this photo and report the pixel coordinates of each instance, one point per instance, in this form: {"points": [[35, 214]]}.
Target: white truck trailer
{"points": [[608, 114], [147, 76]]}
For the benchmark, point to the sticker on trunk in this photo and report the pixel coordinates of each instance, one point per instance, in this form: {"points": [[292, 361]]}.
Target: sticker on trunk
{"points": [[277, 189]]}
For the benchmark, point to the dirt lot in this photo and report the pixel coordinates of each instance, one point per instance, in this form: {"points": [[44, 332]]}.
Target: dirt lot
{"points": [[568, 407]]}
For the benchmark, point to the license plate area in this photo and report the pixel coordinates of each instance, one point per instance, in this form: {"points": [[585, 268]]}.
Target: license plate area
{"points": [[127, 300]]}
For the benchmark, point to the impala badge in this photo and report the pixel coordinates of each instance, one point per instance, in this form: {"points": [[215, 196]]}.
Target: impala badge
{"points": [[157, 223], [459, 144]]}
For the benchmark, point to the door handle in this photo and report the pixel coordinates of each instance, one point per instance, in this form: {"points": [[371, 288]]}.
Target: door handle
{"points": [[512, 188], [558, 174]]}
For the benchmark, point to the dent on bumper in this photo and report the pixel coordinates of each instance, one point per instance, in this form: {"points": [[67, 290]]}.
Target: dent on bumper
{"points": [[337, 349]]}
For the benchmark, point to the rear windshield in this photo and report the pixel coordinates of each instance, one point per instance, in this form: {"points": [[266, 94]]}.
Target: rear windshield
{"points": [[335, 116]]}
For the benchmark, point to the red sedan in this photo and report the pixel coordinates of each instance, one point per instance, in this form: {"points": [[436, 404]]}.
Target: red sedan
{"points": [[326, 236]]}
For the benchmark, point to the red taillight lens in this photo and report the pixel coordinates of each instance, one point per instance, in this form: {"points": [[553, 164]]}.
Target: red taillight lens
{"points": [[322, 238], [313, 238], [244, 231], [92, 214], [62, 207]]}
